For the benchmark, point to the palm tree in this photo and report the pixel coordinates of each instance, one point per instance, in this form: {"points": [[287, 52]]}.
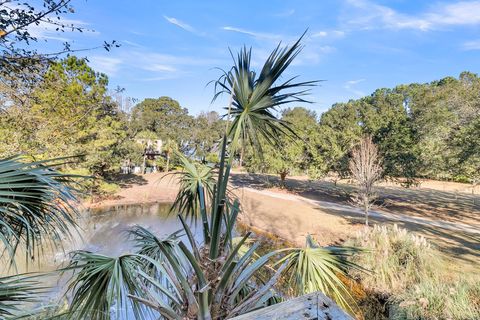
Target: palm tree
{"points": [[314, 268], [218, 276], [255, 98], [37, 206], [37, 209], [191, 178]]}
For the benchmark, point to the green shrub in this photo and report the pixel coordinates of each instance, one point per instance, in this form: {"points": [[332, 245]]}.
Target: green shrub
{"points": [[212, 158], [90, 185], [107, 188], [160, 163], [462, 179], [85, 184]]}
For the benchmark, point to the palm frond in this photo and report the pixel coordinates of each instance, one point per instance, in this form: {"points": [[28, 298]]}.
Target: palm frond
{"points": [[36, 206], [251, 301], [315, 268], [100, 284], [17, 290], [192, 177], [147, 243], [257, 97]]}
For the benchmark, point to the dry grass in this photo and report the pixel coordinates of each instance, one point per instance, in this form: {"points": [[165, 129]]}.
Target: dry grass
{"points": [[409, 280]]}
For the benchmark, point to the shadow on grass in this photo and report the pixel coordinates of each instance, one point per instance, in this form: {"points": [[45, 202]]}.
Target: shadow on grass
{"points": [[456, 245], [129, 180], [434, 204], [462, 247]]}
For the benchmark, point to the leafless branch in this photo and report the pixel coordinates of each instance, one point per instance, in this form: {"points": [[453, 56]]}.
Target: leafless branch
{"points": [[366, 169]]}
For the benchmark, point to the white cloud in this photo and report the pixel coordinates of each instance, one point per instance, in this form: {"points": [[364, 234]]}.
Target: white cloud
{"points": [[320, 34], [152, 66], [132, 44], [352, 82], [471, 45], [107, 65], [461, 13], [160, 67], [153, 61], [368, 15], [47, 31], [183, 25], [161, 78], [350, 86], [258, 35], [329, 33], [312, 53], [286, 13]]}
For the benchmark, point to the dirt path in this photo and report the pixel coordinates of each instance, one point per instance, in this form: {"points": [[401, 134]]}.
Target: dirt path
{"points": [[449, 220], [454, 226]]}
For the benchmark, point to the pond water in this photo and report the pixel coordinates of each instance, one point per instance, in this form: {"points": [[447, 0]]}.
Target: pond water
{"points": [[104, 231]]}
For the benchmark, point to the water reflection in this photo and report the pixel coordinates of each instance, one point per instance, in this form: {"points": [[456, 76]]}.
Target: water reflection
{"points": [[104, 231]]}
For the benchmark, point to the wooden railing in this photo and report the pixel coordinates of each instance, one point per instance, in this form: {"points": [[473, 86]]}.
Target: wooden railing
{"points": [[312, 306]]}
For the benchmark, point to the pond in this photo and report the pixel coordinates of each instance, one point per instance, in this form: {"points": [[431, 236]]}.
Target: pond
{"points": [[104, 231]]}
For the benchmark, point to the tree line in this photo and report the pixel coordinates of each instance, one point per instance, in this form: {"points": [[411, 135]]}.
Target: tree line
{"points": [[429, 130], [70, 112]]}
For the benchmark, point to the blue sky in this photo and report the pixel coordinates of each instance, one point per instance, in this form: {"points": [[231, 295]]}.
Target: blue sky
{"points": [[172, 47]]}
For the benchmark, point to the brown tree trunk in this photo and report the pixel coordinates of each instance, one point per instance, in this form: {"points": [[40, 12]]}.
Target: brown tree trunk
{"points": [[168, 162], [283, 176]]}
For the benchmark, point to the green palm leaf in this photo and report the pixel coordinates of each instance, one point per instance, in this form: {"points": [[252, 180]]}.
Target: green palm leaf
{"points": [[192, 177], [17, 290], [256, 97], [100, 283], [147, 243], [315, 268], [36, 206]]}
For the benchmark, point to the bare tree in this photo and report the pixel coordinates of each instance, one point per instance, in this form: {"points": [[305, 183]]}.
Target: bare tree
{"points": [[365, 167], [21, 25]]}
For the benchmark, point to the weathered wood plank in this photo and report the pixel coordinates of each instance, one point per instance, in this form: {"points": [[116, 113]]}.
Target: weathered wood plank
{"points": [[313, 306]]}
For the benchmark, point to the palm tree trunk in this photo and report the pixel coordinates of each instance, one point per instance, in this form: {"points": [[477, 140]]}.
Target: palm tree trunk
{"points": [[168, 162]]}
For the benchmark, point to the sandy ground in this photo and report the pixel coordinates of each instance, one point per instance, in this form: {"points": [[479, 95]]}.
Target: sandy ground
{"points": [[149, 188], [292, 220], [323, 209]]}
